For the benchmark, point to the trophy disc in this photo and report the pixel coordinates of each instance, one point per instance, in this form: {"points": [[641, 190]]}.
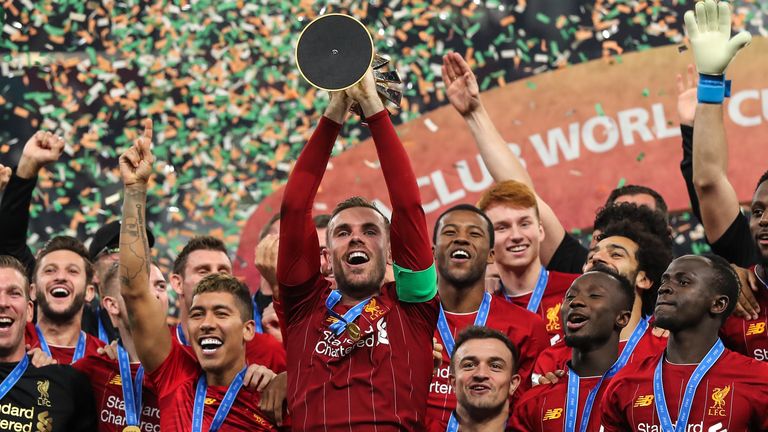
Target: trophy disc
{"points": [[334, 52]]}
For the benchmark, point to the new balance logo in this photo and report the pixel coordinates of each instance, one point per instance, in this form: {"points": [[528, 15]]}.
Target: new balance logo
{"points": [[553, 414], [644, 401], [755, 329]]}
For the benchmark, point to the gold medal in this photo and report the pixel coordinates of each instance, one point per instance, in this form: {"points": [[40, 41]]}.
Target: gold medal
{"points": [[131, 429], [353, 331]]}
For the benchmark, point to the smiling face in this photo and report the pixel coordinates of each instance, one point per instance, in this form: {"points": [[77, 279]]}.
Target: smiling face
{"points": [[218, 331], [758, 222], [60, 285], [619, 254], [358, 245], [595, 308], [483, 376], [685, 296], [518, 234], [15, 311], [462, 249]]}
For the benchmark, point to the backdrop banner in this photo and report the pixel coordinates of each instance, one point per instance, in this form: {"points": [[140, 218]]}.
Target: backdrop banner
{"points": [[581, 131]]}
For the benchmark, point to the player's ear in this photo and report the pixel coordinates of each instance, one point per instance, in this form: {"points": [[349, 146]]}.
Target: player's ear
{"points": [[491, 257], [32, 292], [642, 281], [249, 330], [90, 293], [176, 284], [514, 382], [719, 304], [623, 319]]}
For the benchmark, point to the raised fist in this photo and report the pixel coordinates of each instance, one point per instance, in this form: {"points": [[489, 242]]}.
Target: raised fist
{"points": [[42, 149], [136, 162]]}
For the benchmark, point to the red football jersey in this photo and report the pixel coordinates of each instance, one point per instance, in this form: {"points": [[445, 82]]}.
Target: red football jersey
{"points": [[732, 396], [749, 337], [543, 408], [525, 329], [381, 379], [106, 382], [555, 357], [63, 355], [549, 309], [175, 381]]}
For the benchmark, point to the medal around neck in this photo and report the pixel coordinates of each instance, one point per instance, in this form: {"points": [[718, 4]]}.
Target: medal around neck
{"points": [[335, 51], [131, 429]]}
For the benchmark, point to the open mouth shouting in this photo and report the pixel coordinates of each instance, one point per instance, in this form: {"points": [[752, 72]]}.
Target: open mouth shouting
{"points": [[210, 344], [357, 258], [5, 323], [60, 291], [576, 321], [460, 256]]}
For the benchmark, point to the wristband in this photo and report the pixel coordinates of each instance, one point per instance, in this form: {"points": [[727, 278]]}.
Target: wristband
{"points": [[713, 89]]}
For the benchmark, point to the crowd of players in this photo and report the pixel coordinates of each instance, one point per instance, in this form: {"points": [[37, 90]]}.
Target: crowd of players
{"points": [[500, 321]]}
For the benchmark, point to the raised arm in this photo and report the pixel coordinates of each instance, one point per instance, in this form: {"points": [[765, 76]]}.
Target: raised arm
{"points": [[42, 149], [464, 94], [145, 314], [709, 30], [686, 111], [299, 252], [409, 238]]}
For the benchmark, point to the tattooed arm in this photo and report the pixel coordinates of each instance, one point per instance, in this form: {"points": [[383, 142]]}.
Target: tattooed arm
{"points": [[145, 314]]}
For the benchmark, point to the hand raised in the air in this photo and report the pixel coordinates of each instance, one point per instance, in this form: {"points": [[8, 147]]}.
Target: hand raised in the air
{"points": [[709, 29], [40, 150], [136, 162], [460, 84]]}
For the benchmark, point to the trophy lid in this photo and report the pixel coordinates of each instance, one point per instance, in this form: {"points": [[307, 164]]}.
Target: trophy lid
{"points": [[334, 52]]}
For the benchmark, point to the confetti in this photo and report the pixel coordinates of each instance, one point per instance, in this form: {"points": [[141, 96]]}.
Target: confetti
{"points": [[231, 112]]}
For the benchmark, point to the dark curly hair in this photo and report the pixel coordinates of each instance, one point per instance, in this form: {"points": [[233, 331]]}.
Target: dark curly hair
{"points": [[647, 228]]}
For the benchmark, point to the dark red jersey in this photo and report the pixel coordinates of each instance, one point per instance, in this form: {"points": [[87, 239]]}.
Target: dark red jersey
{"points": [[732, 396]]}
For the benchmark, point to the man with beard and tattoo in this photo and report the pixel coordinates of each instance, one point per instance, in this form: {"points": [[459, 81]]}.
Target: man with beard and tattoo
{"points": [[62, 274], [596, 308], [696, 384], [359, 356], [484, 374], [463, 238]]}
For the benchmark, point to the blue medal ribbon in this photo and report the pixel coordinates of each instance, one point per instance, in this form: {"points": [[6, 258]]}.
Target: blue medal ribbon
{"points": [[572, 397], [180, 335], [79, 349], [339, 326], [538, 292], [257, 316], [14, 376], [453, 424], [690, 389], [445, 331], [132, 388], [103, 336], [224, 407]]}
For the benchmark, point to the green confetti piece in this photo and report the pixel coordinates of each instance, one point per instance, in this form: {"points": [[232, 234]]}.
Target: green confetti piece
{"points": [[599, 109], [543, 18], [473, 30], [531, 85], [640, 156], [622, 182], [55, 31], [646, 92]]}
